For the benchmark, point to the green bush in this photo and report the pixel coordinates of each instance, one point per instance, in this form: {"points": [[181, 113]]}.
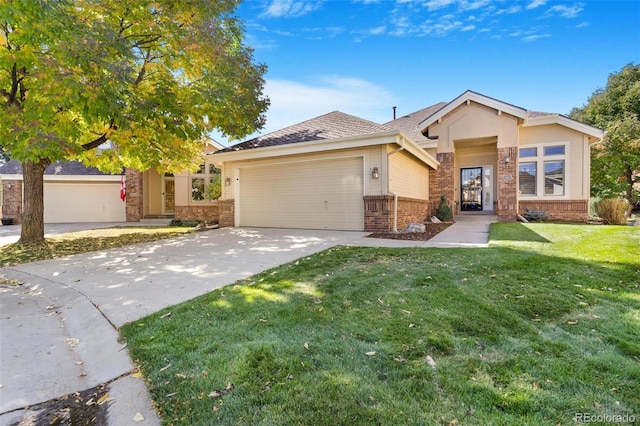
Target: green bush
{"points": [[443, 212], [536, 215], [613, 211]]}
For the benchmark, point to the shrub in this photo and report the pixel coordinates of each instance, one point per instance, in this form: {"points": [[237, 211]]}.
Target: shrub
{"points": [[536, 215], [443, 212], [613, 211]]}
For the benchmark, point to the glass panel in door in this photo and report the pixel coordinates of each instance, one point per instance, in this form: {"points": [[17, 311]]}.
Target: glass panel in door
{"points": [[471, 189], [168, 195]]}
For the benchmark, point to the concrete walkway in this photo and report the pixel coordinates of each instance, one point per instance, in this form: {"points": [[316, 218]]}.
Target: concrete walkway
{"points": [[59, 318]]}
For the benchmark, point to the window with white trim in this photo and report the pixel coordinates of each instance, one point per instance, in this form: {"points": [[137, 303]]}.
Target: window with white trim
{"points": [[550, 160], [205, 183]]}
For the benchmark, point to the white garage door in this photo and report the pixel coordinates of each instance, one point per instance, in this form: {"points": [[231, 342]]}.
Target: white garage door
{"points": [[68, 202], [325, 194]]}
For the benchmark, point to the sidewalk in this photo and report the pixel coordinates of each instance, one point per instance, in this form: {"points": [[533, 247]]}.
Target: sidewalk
{"points": [[59, 328]]}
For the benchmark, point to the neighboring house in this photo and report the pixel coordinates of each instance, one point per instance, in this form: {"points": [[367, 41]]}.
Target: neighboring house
{"points": [[338, 171], [75, 193]]}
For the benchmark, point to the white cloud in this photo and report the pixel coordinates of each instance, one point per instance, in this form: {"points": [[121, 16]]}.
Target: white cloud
{"points": [[291, 8], [510, 10], [294, 101], [536, 3], [535, 37], [565, 11]]}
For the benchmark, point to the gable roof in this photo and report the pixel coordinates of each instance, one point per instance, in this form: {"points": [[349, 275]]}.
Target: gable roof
{"points": [[334, 125], [471, 96], [60, 168]]}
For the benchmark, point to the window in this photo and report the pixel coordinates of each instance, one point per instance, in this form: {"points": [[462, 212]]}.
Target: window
{"points": [[528, 152], [554, 177], [550, 181], [554, 150], [205, 183], [527, 175]]}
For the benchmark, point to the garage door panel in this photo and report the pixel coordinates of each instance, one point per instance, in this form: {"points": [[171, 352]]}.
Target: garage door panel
{"points": [[323, 194], [70, 202]]}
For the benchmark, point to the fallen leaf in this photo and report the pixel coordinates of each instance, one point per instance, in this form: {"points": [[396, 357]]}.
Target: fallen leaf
{"points": [[137, 375], [263, 320], [168, 314], [572, 322], [371, 353], [165, 367], [306, 345], [215, 394], [431, 361], [138, 418], [104, 398], [411, 325], [520, 297], [399, 359]]}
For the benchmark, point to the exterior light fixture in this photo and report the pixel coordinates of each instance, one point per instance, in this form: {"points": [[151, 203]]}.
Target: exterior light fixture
{"points": [[375, 173], [507, 160], [227, 182]]}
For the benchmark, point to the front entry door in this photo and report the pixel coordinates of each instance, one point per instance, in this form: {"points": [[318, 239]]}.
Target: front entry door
{"points": [[168, 195], [471, 180]]}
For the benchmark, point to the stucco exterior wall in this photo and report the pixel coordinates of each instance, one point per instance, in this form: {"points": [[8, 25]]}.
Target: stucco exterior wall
{"points": [[475, 121], [577, 160]]}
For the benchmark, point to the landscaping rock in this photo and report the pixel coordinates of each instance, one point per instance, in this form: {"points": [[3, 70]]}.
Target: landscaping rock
{"points": [[434, 219], [415, 227]]}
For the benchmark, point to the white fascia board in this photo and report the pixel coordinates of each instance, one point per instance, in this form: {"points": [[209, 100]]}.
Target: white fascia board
{"points": [[418, 152], [566, 122], [474, 97], [325, 145], [307, 147]]}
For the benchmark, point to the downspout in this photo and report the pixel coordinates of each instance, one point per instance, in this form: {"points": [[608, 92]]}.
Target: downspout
{"points": [[395, 196]]}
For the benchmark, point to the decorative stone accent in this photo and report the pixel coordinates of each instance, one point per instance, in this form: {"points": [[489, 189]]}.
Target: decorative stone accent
{"points": [[134, 200], [208, 213], [226, 213], [561, 210], [441, 181], [12, 200], [378, 212], [507, 208], [415, 228]]}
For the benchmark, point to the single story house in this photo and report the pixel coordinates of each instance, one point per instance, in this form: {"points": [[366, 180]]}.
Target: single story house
{"points": [[75, 193], [342, 172]]}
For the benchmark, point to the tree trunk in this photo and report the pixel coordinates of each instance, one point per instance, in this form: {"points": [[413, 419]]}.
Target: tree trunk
{"points": [[33, 212], [628, 172]]}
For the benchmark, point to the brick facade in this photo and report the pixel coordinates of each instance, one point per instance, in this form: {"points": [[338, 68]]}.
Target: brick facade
{"points": [[12, 200], [208, 213], [507, 207], [226, 213], [560, 210], [378, 212], [134, 200], [442, 181]]}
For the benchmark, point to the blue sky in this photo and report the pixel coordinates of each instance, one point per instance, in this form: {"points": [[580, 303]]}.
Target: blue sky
{"points": [[363, 57]]}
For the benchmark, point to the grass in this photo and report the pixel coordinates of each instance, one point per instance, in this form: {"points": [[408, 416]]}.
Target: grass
{"points": [[542, 325], [85, 241]]}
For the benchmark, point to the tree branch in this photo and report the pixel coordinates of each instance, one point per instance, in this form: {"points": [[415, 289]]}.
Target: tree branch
{"points": [[100, 139]]}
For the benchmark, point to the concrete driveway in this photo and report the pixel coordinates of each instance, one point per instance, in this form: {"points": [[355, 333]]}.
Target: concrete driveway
{"points": [[58, 328]]}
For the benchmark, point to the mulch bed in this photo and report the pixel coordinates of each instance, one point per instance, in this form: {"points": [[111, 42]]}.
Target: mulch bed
{"points": [[432, 229]]}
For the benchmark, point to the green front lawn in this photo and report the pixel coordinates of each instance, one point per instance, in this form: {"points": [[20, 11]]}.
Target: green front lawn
{"points": [[541, 326]]}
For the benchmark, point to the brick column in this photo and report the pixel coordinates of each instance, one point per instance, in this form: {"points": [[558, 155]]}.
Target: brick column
{"points": [[441, 181], [226, 212], [12, 200], [134, 198], [507, 184]]}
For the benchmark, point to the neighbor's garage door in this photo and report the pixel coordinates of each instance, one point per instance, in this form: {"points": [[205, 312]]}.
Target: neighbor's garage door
{"points": [[324, 194], [67, 202]]}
